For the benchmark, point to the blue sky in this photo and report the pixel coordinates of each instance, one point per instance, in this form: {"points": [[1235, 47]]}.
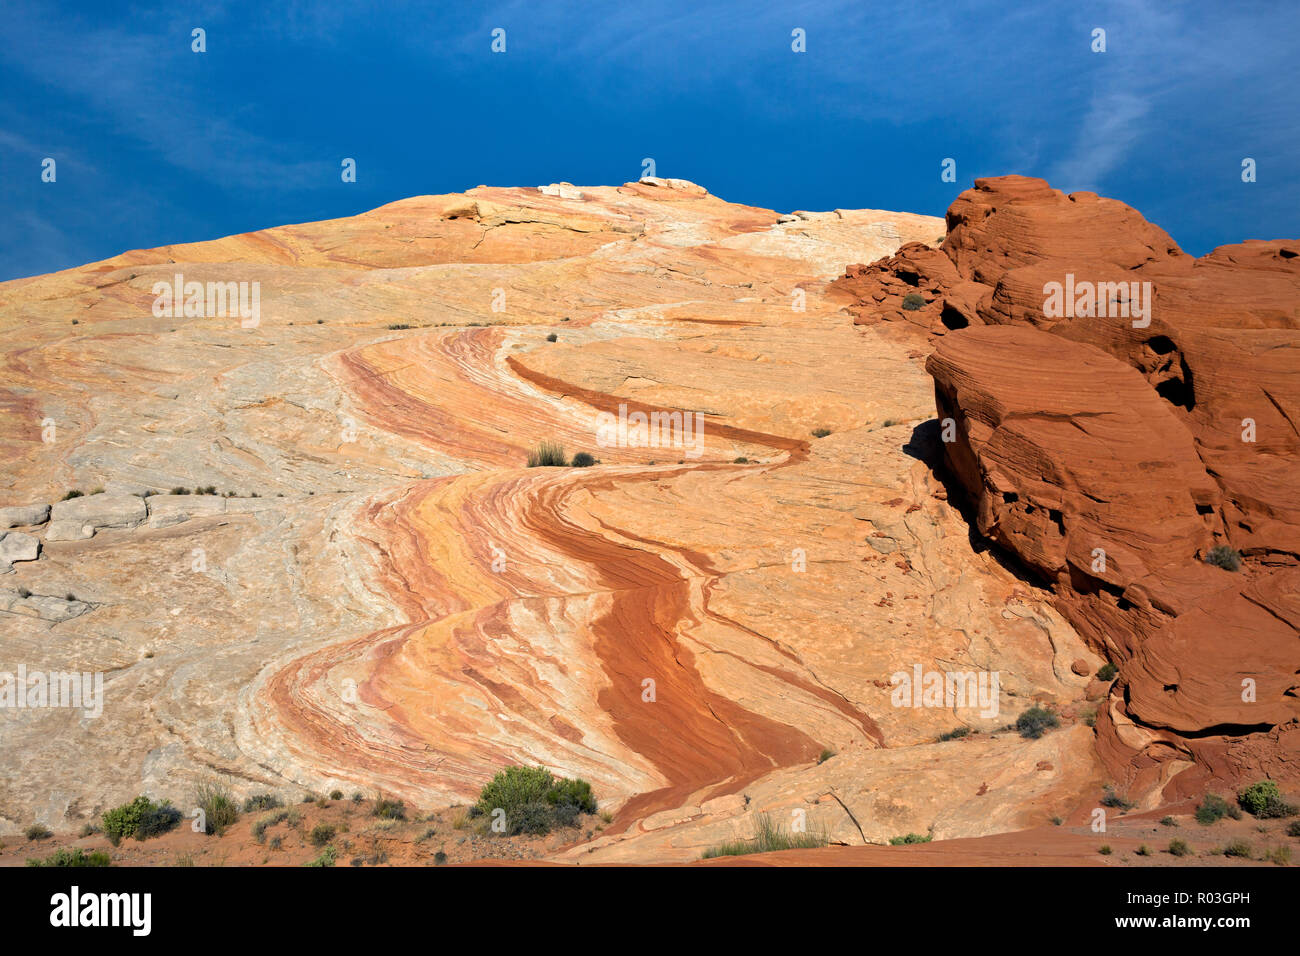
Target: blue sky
{"points": [[157, 144]]}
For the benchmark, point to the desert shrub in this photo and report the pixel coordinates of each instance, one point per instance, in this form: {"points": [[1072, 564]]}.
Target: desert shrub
{"points": [[1238, 848], [122, 821], [533, 800], [336, 794], [1293, 829], [1179, 848], [260, 827], [955, 734], [1110, 798], [1222, 556], [1264, 800], [769, 836], [328, 857], [1144, 850], [141, 818], [552, 337], [1035, 722], [398, 325], [549, 454], [178, 490], [913, 301], [439, 858], [73, 857], [357, 797], [820, 432], [1107, 672], [276, 842], [24, 593], [574, 792], [1280, 855], [74, 493], [90, 829], [1104, 849], [910, 838], [38, 831], [741, 461], [825, 755], [387, 809], [262, 801], [157, 820], [1168, 822], [321, 834], [583, 460], [1213, 809], [218, 806]]}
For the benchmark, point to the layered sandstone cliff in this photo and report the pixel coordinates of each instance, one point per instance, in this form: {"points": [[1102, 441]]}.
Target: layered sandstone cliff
{"points": [[1118, 410]]}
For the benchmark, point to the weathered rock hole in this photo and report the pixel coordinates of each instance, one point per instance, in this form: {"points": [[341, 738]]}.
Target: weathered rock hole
{"points": [[951, 318]]}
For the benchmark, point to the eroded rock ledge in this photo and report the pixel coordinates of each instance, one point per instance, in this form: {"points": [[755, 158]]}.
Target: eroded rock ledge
{"points": [[1110, 449]]}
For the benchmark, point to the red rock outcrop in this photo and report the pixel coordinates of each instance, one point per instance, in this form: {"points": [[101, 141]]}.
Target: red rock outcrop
{"points": [[1108, 395]]}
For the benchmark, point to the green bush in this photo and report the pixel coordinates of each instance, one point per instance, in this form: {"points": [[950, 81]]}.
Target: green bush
{"points": [[1112, 799], [1222, 556], [218, 806], [74, 857], [38, 831], [825, 755], [820, 432], [1238, 848], [321, 834], [1036, 721], [913, 301], [122, 821], [552, 337], [159, 819], [549, 454], [329, 856], [1107, 672], [769, 836], [1264, 800], [262, 801], [910, 838], [533, 800], [336, 794], [583, 460], [1179, 848], [387, 809], [74, 493], [1104, 849], [956, 734], [1144, 850], [1213, 809], [140, 818]]}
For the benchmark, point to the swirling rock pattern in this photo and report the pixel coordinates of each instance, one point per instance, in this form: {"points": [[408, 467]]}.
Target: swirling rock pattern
{"points": [[406, 607]]}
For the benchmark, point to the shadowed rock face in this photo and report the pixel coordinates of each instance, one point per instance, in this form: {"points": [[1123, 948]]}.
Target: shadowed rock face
{"points": [[1111, 396]]}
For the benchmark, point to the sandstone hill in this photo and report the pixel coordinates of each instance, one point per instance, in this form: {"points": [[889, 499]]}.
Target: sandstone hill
{"points": [[379, 595]]}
